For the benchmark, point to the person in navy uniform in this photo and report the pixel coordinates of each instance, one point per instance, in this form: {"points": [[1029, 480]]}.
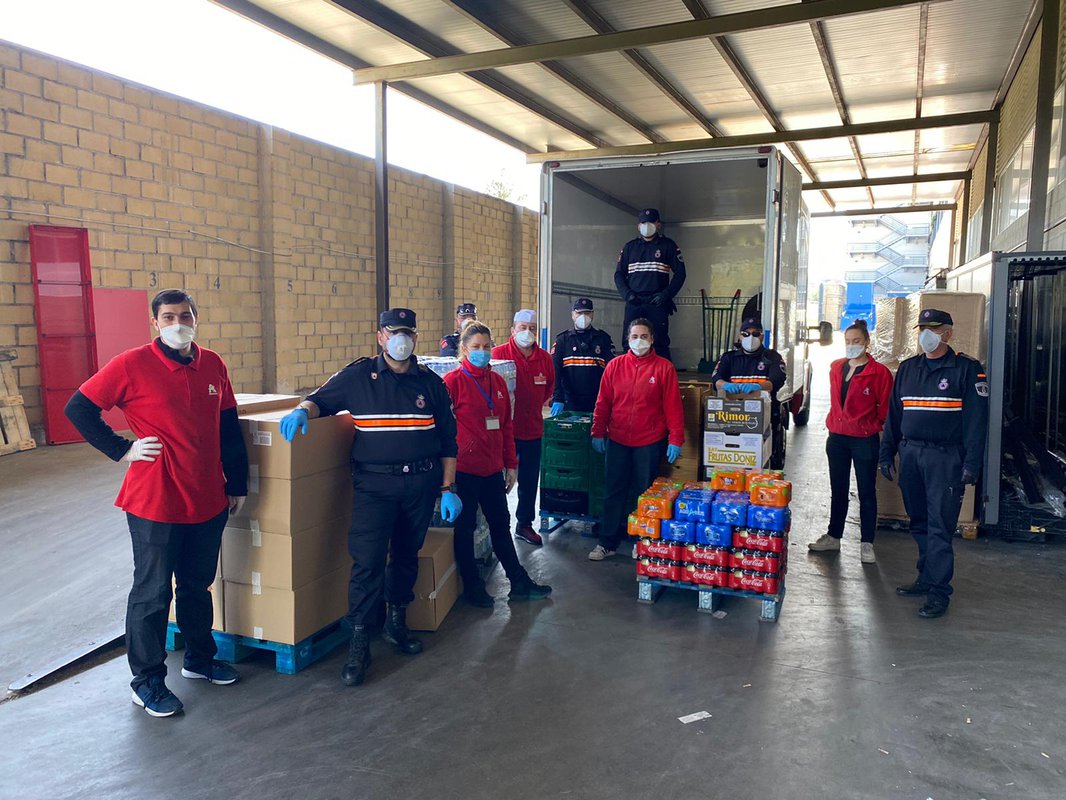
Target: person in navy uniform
{"points": [[745, 368], [580, 356], [937, 422], [464, 313], [649, 274], [403, 459]]}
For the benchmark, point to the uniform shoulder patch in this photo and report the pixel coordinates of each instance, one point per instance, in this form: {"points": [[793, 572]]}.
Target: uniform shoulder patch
{"points": [[982, 388]]}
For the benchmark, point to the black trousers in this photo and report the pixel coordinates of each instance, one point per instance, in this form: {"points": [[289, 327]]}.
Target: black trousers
{"points": [[528, 478], [843, 451], [490, 494], [777, 435], [658, 316], [189, 555], [390, 516], [930, 477], [628, 472]]}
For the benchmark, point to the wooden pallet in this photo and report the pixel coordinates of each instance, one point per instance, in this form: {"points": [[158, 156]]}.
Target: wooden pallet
{"points": [[709, 598], [14, 430], [288, 658], [551, 521]]}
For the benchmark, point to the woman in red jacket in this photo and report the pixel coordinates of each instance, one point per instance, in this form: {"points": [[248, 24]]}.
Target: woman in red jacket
{"points": [[637, 411], [859, 389], [486, 466]]}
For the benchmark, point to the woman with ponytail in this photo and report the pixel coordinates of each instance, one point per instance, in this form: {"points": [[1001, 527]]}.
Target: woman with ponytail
{"points": [[860, 388]]}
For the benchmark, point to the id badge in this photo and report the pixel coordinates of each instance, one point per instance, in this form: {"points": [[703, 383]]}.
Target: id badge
{"points": [[492, 423], [540, 380]]}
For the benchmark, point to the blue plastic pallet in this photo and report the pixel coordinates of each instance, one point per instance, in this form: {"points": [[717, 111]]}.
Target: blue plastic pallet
{"points": [[551, 521], [710, 597], [288, 658]]}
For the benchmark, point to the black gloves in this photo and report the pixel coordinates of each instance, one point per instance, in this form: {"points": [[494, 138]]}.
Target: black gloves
{"points": [[659, 299], [888, 470], [969, 477]]}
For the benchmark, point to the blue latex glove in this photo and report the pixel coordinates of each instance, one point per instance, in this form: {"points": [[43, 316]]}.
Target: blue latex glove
{"points": [[750, 387], [732, 388], [600, 445], [556, 409], [450, 506], [673, 452], [295, 420]]}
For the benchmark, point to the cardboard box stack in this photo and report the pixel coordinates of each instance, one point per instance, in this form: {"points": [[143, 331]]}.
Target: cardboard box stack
{"points": [[730, 532], [285, 564], [889, 338], [694, 395], [736, 432], [438, 585]]}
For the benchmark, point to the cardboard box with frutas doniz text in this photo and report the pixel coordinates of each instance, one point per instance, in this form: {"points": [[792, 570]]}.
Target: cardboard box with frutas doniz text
{"points": [[745, 450]]}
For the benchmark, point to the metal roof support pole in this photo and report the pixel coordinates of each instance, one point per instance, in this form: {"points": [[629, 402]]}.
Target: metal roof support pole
{"points": [[1045, 100], [990, 187], [951, 249], [964, 232], [381, 197]]}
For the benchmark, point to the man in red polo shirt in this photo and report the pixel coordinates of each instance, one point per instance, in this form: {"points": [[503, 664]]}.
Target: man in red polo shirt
{"points": [[534, 385], [188, 469]]}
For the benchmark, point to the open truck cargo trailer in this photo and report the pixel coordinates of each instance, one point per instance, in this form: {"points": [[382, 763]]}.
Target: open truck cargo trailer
{"points": [[743, 229]]}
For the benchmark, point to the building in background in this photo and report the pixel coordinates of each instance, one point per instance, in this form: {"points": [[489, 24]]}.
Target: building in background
{"points": [[891, 252]]}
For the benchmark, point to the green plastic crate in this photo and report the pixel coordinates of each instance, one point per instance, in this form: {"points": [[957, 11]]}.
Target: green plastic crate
{"points": [[565, 453], [569, 427], [575, 480]]}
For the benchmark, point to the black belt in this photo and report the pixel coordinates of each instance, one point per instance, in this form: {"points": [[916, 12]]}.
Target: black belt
{"points": [[935, 445], [410, 468]]}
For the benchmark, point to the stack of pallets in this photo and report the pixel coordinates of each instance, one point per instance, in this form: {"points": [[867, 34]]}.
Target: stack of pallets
{"points": [[14, 430]]}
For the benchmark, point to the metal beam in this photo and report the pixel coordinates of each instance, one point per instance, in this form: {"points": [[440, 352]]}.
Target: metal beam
{"points": [[596, 21], [598, 193], [964, 231], [919, 93], [754, 90], [400, 28], [821, 41], [1045, 101], [758, 19], [381, 196], [990, 187], [868, 212], [255, 14], [469, 9], [774, 137], [894, 180]]}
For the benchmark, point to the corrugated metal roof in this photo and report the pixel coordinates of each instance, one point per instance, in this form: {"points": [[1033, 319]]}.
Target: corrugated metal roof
{"points": [[968, 46]]}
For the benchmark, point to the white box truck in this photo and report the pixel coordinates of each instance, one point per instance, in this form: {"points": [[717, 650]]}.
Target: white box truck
{"points": [[743, 229]]}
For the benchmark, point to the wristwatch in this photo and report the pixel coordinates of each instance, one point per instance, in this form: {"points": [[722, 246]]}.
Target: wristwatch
{"points": [[448, 487]]}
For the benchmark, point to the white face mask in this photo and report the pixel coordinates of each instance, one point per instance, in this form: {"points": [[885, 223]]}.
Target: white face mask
{"points": [[928, 341], [647, 229], [525, 338], [639, 346], [582, 321], [177, 336], [400, 346], [854, 350], [751, 343]]}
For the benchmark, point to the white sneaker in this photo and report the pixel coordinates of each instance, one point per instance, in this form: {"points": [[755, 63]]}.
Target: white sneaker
{"points": [[866, 553], [599, 553], [824, 544]]}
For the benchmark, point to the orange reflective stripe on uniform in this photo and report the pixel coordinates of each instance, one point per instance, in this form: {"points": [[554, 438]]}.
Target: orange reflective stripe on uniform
{"points": [[932, 403], [583, 361], [394, 422]]}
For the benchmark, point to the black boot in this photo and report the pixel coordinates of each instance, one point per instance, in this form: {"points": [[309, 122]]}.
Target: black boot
{"points": [[354, 671], [395, 632]]}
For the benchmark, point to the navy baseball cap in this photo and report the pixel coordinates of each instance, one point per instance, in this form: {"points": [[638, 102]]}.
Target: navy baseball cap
{"points": [[398, 319], [582, 304], [933, 318], [649, 215], [465, 310], [751, 322]]}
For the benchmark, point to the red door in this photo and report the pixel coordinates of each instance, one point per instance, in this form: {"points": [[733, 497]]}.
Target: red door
{"points": [[121, 317], [66, 331]]}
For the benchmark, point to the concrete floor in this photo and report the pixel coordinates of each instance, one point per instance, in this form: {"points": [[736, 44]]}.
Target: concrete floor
{"points": [[850, 695]]}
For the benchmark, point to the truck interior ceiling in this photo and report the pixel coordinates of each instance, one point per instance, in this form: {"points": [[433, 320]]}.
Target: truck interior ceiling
{"points": [[715, 211]]}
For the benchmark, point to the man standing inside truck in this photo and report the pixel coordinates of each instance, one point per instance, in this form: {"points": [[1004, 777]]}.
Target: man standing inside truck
{"points": [[649, 274], [188, 471]]}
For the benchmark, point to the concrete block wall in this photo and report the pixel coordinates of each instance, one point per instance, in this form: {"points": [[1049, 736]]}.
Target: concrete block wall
{"points": [[271, 232]]}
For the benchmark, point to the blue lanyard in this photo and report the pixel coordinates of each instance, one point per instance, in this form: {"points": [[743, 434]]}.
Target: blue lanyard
{"points": [[486, 395]]}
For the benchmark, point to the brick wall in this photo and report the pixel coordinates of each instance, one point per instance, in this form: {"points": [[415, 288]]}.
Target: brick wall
{"points": [[272, 232]]}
